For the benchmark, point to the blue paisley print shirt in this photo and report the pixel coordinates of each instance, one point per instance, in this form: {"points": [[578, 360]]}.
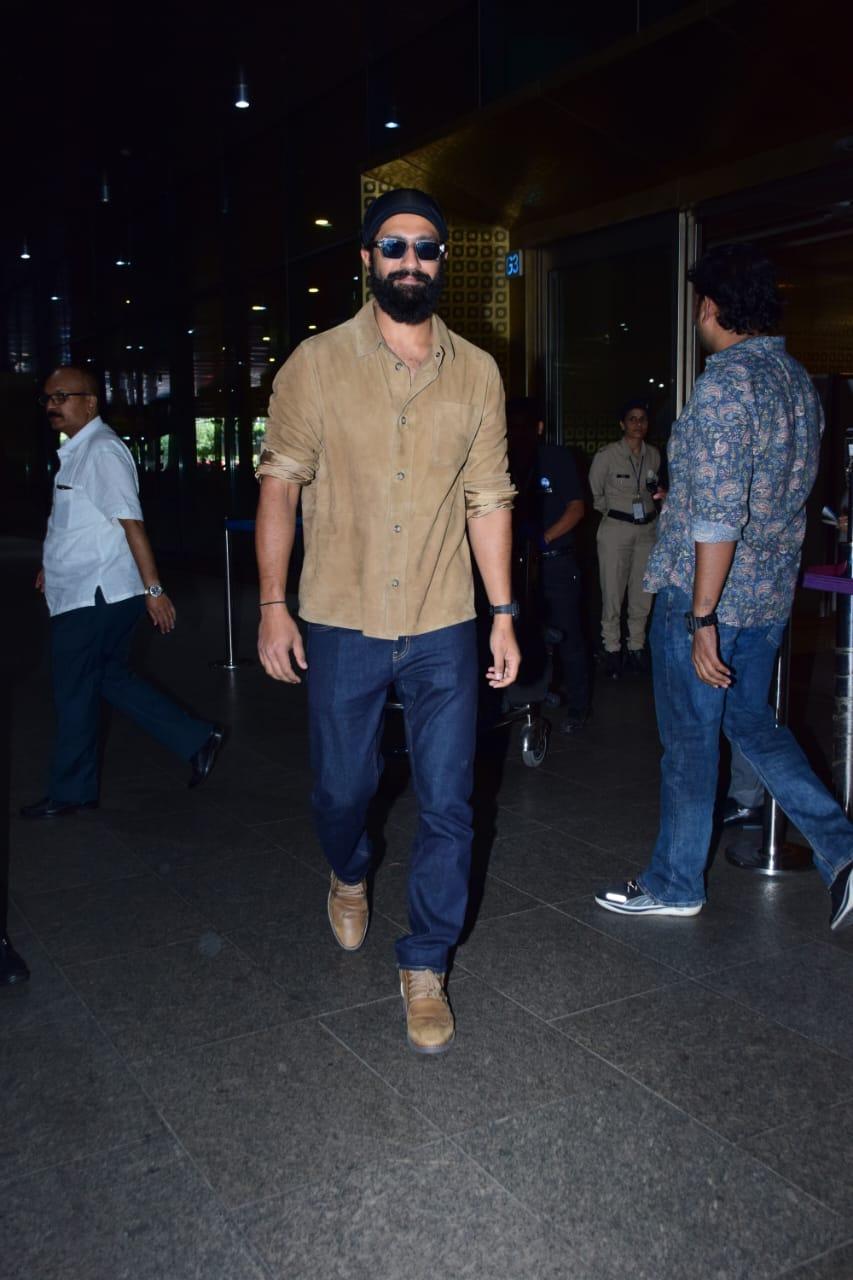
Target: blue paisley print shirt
{"points": [[742, 461]]}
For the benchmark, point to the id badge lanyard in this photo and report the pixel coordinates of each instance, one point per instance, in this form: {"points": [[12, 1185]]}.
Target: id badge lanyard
{"points": [[638, 509]]}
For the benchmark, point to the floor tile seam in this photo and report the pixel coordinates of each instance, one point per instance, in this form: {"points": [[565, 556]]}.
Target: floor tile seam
{"points": [[540, 902], [221, 1204], [626, 946], [82, 884], [411, 1106], [790, 1124], [92, 884], [815, 1257], [135, 951], [609, 1004], [133, 1063], [535, 1216], [629, 946], [773, 1021], [325, 1179], [98, 1153]]}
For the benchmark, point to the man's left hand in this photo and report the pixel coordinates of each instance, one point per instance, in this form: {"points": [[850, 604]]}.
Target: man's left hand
{"points": [[707, 663], [161, 611], [506, 655]]}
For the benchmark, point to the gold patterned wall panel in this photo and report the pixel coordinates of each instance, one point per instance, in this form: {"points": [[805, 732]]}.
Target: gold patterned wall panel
{"points": [[475, 302]]}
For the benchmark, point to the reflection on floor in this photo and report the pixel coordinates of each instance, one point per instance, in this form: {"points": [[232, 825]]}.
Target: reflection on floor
{"points": [[197, 1082]]}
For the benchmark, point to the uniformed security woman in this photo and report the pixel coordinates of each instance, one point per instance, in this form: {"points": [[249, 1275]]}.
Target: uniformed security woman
{"points": [[622, 478]]}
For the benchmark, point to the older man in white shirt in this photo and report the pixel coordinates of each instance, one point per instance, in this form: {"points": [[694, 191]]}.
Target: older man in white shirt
{"points": [[99, 576]]}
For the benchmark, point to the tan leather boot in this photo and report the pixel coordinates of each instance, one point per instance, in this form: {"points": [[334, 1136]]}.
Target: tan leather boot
{"points": [[348, 913], [429, 1021]]}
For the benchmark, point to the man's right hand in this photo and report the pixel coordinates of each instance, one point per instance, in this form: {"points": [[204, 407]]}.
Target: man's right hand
{"points": [[278, 639], [39, 584]]}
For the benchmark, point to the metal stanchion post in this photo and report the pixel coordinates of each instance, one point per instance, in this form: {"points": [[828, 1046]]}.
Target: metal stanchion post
{"points": [[775, 856], [230, 662]]}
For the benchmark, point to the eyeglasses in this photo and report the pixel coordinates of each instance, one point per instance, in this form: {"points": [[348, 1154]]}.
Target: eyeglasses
{"points": [[396, 246], [59, 397]]}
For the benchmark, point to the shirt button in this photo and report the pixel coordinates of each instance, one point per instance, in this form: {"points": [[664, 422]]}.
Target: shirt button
{"points": [[395, 582], [401, 475], [398, 366], [403, 421], [397, 528]]}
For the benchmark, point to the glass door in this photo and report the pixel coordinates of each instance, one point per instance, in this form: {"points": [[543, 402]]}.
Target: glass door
{"points": [[614, 316]]}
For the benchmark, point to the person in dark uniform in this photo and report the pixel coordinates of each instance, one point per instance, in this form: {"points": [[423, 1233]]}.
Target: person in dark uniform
{"points": [[550, 505]]}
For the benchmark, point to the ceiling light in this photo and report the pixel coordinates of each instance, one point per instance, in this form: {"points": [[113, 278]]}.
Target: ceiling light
{"points": [[190, 330], [127, 302], [105, 189], [312, 326], [313, 289], [271, 360], [266, 338], [122, 262], [25, 252], [54, 297], [356, 279], [652, 381], [241, 96], [322, 222], [257, 307], [391, 120], [128, 347]]}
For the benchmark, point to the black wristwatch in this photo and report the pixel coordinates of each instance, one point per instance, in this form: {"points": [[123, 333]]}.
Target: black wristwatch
{"points": [[695, 624], [512, 609]]}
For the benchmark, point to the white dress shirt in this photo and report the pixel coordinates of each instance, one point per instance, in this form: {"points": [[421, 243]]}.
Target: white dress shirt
{"points": [[85, 546]]}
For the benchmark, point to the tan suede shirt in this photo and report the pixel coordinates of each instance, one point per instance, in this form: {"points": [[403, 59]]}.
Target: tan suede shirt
{"points": [[393, 465]]}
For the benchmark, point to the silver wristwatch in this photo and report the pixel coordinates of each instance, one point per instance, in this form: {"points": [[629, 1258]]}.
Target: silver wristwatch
{"points": [[154, 590]]}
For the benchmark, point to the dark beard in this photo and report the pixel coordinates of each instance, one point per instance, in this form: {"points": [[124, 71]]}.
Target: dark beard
{"points": [[407, 304]]}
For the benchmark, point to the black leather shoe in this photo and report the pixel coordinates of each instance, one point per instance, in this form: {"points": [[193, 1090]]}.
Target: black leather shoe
{"points": [[613, 666], [205, 758], [742, 815], [47, 808]]}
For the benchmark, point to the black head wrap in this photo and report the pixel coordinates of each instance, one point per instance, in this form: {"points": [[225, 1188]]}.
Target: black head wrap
{"points": [[403, 200]]}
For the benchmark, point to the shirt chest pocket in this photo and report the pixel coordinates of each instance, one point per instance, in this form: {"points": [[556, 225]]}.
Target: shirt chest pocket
{"points": [[453, 431], [624, 482], [63, 503]]}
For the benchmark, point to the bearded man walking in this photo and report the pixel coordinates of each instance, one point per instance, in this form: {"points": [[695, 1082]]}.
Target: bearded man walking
{"points": [[392, 430]]}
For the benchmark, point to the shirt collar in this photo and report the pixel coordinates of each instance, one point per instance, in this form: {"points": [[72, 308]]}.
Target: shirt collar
{"points": [[81, 437], [368, 336], [761, 342]]}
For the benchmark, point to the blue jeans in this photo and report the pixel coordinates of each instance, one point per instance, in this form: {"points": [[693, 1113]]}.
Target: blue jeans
{"points": [[435, 675], [690, 715]]}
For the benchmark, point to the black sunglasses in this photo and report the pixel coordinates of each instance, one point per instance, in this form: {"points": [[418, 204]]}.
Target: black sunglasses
{"points": [[59, 397], [396, 246]]}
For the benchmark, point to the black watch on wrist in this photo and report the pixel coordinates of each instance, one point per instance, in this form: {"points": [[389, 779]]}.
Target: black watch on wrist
{"points": [[695, 624], [512, 609]]}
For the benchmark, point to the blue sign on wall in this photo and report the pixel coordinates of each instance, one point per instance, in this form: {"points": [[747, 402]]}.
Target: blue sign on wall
{"points": [[515, 263]]}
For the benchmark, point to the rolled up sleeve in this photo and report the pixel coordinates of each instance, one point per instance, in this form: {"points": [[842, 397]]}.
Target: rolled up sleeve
{"points": [[722, 473], [292, 442], [486, 478]]}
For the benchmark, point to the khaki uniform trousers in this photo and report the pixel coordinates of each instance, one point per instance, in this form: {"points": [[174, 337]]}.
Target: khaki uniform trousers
{"points": [[623, 552]]}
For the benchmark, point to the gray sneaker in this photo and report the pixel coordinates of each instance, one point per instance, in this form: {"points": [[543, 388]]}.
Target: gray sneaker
{"points": [[841, 894], [630, 900]]}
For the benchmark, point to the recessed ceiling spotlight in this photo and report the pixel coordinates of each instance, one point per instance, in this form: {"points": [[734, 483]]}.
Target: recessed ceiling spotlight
{"points": [[322, 222], [313, 289], [266, 338], [257, 307], [54, 297], [312, 326], [241, 95]]}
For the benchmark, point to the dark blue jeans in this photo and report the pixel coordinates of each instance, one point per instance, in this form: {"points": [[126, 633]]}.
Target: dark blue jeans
{"points": [[90, 649], [690, 715], [435, 675]]}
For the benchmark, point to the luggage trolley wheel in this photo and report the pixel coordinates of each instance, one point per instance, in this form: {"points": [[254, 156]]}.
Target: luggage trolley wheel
{"points": [[534, 741]]}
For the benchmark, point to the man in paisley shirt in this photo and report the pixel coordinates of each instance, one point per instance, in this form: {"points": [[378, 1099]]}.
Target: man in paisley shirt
{"points": [[743, 458]]}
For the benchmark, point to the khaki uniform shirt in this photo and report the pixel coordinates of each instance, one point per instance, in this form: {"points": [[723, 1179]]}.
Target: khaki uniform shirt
{"points": [[393, 464], [613, 477]]}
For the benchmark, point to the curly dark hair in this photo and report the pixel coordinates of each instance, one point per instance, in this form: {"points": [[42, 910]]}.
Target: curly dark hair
{"points": [[742, 282]]}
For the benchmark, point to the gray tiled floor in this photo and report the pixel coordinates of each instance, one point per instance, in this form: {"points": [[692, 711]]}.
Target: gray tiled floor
{"points": [[197, 1082]]}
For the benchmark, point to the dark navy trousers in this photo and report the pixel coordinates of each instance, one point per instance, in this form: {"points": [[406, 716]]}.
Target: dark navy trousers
{"points": [[89, 653]]}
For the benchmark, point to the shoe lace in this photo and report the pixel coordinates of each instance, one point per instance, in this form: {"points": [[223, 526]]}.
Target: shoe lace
{"points": [[425, 984]]}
